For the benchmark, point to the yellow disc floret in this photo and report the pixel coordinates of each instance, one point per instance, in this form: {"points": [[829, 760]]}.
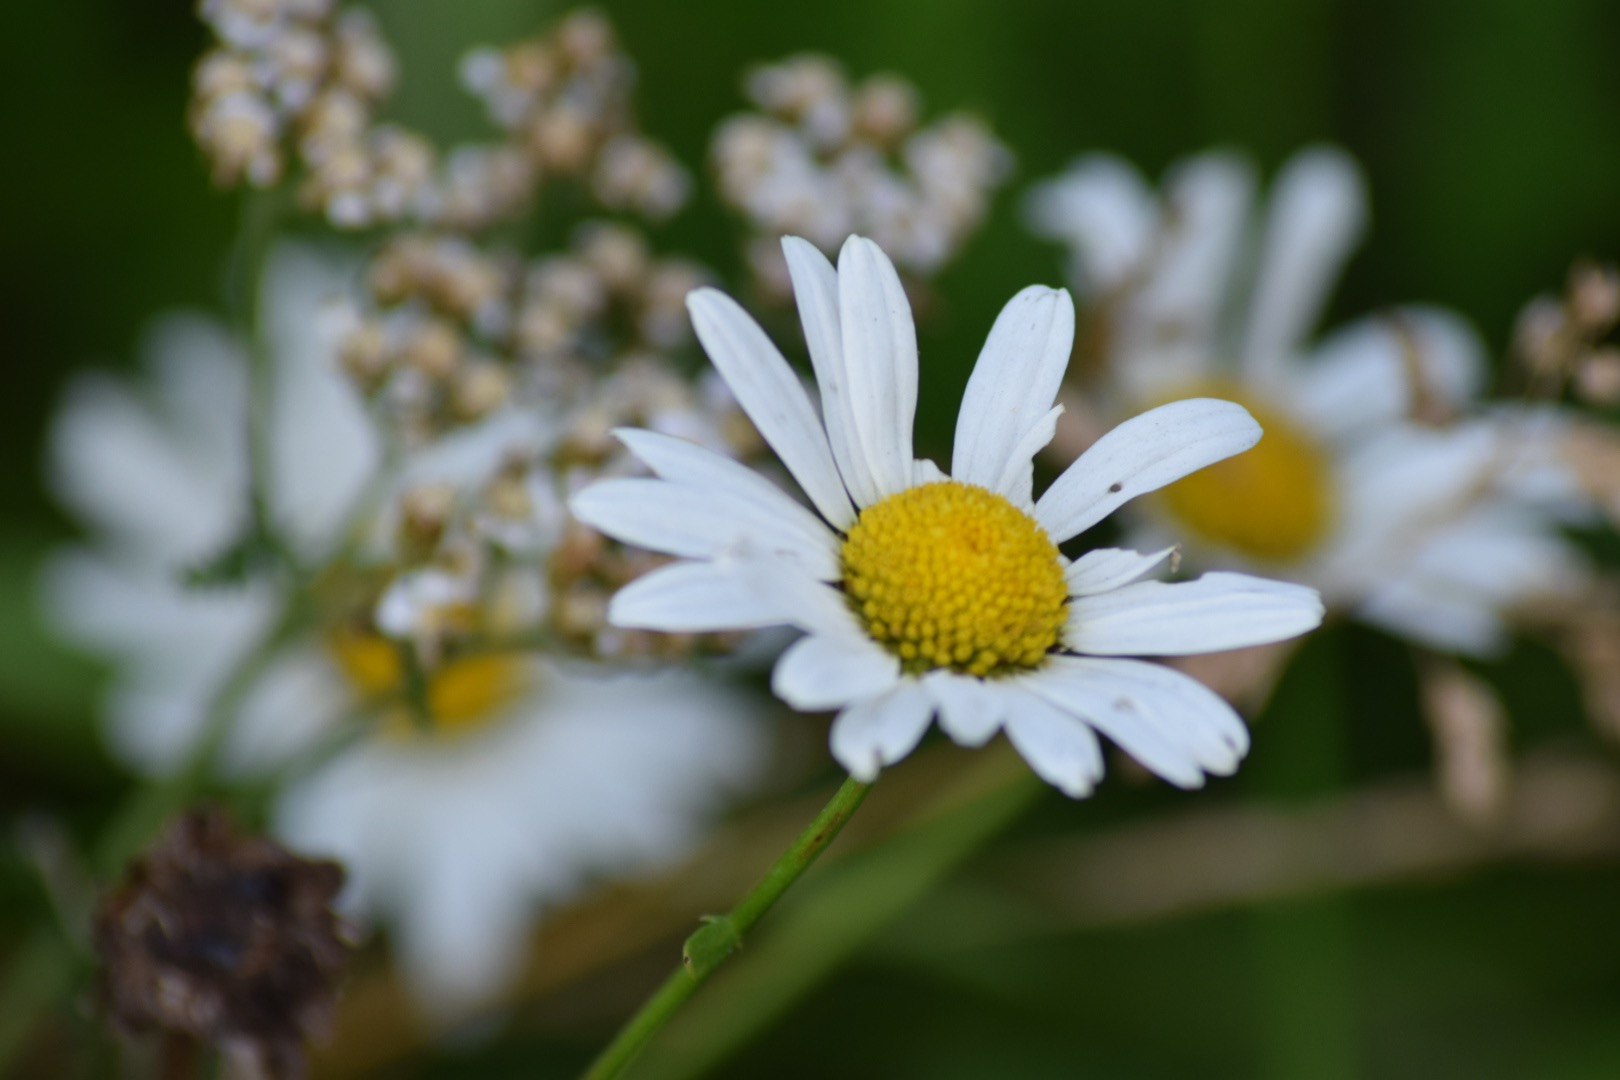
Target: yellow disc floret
{"points": [[458, 695], [1274, 502], [949, 575]]}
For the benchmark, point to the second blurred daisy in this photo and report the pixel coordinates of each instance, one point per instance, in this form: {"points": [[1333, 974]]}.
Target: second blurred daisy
{"points": [[1374, 482]]}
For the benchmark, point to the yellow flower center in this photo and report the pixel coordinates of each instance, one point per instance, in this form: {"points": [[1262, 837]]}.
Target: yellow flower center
{"points": [[458, 696], [1274, 502], [949, 575]]}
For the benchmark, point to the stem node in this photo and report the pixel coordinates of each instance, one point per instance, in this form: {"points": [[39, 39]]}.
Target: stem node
{"points": [[710, 945]]}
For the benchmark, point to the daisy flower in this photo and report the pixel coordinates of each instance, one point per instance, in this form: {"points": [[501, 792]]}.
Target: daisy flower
{"points": [[526, 781], [924, 594], [1378, 482], [158, 471]]}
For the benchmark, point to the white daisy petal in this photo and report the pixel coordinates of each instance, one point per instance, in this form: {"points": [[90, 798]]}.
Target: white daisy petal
{"points": [[1141, 455], [1168, 721], [1208, 200], [693, 466], [1131, 729], [1104, 569], [924, 471], [1217, 611], [1318, 208], [1012, 387], [815, 289], [692, 597], [1439, 615], [811, 605], [880, 359], [1103, 209], [970, 710], [1058, 745], [1374, 371], [701, 523], [819, 672], [1194, 712], [881, 730], [131, 474], [774, 399], [415, 593], [1453, 583], [1397, 486], [1017, 480], [323, 443]]}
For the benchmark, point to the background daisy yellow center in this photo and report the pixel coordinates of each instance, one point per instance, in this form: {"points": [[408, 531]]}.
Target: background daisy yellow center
{"points": [[461, 694], [1273, 502], [949, 575]]}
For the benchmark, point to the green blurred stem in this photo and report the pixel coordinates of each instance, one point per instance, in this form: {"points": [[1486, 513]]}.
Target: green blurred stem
{"points": [[42, 971], [1304, 949], [261, 212], [148, 806], [839, 916], [722, 935]]}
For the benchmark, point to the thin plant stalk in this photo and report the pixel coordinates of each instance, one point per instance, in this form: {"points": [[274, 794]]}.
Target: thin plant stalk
{"points": [[722, 935], [260, 215], [839, 914], [1304, 949]]}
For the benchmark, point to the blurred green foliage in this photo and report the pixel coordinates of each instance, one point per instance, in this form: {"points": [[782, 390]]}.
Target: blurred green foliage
{"points": [[1490, 133]]}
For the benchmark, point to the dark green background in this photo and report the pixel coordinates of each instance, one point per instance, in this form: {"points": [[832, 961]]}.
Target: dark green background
{"points": [[1490, 132]]}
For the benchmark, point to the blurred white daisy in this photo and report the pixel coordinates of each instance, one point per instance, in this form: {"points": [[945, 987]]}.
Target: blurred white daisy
{"points": [[922, 593], [459, 840], [512, 783], [158, 470], [1370, 484]]}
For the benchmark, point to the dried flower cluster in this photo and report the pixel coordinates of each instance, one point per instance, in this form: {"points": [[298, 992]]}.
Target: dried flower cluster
{"points": [[1565, 343], [564, 103], [1563, 340], [224, 937], [303, 79], [824, 159], [426, 345], [578, 342], [1592, 648], [587, 568], [499, 563], [452, 330]]}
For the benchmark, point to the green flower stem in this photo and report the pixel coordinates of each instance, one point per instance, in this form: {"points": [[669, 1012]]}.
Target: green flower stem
{"points": [[150, 805], [261, 212], [722, 935], [1304, 949], [43, 970], [836, 917]]}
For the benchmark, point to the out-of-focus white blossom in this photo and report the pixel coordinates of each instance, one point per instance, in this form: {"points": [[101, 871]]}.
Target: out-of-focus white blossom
{"points": [[486, 775], [1382, 481]]}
